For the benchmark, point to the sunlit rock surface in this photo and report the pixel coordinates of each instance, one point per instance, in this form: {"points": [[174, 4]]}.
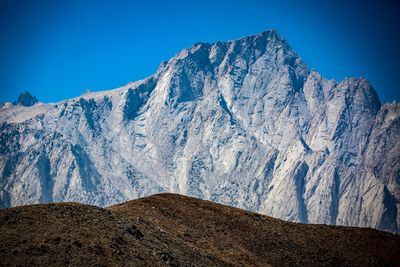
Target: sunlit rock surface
{"points": [[243, 122]]}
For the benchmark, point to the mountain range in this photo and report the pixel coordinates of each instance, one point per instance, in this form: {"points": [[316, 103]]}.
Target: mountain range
{"points": [[244, 123]]}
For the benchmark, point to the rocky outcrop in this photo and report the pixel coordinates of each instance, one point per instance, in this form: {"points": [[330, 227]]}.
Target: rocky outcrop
{"points": [[26, 99]]}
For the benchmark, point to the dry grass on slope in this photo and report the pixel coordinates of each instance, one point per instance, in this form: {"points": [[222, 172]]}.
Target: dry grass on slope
{"points": [[174, 230]]}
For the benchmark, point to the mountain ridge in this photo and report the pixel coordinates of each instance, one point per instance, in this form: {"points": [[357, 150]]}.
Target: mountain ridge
{"points": [[242, 122], [176, 230]]}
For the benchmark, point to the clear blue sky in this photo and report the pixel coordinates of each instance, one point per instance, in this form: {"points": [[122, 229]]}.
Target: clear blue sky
{"points": [[59, 49]]}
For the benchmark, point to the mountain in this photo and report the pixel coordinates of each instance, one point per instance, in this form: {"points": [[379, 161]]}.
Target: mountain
{"points": [[26, 99], [243, 123], [174, 230]]}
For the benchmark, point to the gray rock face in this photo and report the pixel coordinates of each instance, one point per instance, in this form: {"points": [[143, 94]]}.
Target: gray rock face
{"points": [[242, 122]]}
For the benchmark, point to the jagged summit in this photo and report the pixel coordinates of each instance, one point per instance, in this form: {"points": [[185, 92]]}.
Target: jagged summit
{"points": [[242, 122], [253, 46], [26, 99]]}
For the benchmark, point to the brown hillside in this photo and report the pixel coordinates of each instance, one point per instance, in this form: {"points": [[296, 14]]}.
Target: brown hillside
{"points": [[174, 230]]}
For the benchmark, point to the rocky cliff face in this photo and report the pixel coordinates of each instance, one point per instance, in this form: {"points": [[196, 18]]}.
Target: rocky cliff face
{"points": [[243, 122]]}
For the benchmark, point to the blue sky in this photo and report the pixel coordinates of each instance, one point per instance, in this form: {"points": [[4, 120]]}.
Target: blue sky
{"points": [[59, 49]]}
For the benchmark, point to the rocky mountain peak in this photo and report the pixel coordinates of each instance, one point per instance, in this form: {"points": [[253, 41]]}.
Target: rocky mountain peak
{"points": [[26, 99], [241, 122]]}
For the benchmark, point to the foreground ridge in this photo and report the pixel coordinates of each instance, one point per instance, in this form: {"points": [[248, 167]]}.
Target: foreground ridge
{"points": [[175, 230]]}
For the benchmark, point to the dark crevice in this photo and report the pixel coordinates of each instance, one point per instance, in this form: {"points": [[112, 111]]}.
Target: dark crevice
{"points": [[335, 197], [388, 219], [224, 106], [299, 178], [87, 171], [137, 97], [46, 181]]}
